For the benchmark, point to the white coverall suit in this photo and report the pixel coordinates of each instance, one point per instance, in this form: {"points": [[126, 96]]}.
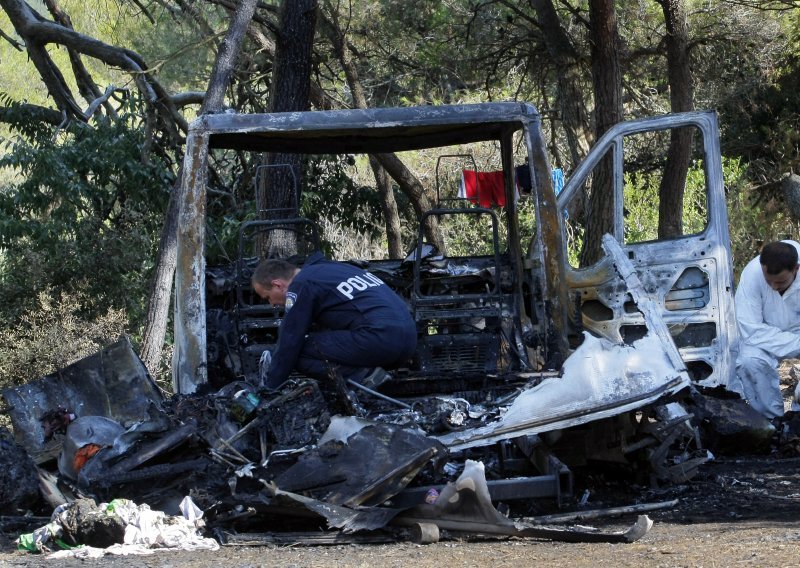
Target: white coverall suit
{"points": [[769, 330]]}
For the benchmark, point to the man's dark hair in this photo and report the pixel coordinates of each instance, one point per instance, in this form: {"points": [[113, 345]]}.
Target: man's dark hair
{"points": [[778, 256], [269, 270]]}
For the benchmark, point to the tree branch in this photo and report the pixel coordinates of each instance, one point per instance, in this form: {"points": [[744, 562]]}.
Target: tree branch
{"points": [[102, 99], [86, 84], [181, 100], [38, 32], [144, 10], [35, 112], [14, 43]]}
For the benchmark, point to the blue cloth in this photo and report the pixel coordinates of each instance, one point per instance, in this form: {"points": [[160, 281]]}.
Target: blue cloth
{"points": [[359, 322], [557, 175]]}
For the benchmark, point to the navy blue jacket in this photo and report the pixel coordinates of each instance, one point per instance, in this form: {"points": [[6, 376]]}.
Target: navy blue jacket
{"points": [[335, 296]]}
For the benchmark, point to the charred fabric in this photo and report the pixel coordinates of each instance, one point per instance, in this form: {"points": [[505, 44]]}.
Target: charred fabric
{"points": [[455, 449]]}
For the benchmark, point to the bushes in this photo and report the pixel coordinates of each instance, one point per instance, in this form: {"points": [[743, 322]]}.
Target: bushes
{"points": [[79, 227], [52, 334]]}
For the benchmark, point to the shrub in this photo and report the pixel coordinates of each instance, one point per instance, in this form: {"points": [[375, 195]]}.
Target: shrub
{"points": [[53, 335]]}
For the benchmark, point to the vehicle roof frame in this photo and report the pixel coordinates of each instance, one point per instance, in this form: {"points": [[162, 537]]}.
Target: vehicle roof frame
{"points": [[319, 132]]}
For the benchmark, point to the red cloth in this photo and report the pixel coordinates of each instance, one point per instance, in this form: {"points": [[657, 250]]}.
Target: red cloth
{"points": [[484, 188]]}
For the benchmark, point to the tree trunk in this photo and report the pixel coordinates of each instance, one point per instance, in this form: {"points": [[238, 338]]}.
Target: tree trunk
{"points": [[607, 81], [388, 203], [570, 102], [318, 97], [574, 118], [161, 286], [412, 187], [673, 183], [279, 187], [155, 328], [389, 207]]}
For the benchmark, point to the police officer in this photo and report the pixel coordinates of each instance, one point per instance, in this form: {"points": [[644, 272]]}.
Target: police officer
{"points": [[360, 324]]}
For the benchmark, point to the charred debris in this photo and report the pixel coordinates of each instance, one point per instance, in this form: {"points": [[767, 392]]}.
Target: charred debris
{"points": [[272, 467], [414, 461]]}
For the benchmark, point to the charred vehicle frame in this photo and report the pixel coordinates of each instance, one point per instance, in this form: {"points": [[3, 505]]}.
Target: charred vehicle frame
{"points": [[526, 365], [531, 306]]}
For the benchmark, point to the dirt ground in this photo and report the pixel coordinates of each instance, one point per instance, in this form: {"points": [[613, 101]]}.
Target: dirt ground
{"points": [[738, 511]]}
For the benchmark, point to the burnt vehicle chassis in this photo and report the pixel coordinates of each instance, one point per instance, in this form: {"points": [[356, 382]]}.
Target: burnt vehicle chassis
{"points": [[527, 367], [496, 331]]}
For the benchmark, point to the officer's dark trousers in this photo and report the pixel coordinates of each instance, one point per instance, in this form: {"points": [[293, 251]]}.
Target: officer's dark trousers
{"points": [[386, 344]]}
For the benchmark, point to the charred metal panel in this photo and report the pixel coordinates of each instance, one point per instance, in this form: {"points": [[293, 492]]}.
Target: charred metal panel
{"points": [[600, 379], [689, 292], [470, 353], [112, 383], [643, 301], [337, 471], [522, 322], [688, 335], [547, 254], [699, 318], [365, 130]]}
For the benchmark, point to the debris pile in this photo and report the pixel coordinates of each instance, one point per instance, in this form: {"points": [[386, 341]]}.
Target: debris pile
{"points": [[410, 460], [262, 464], [268, 467], [84, 529], [19, 484]]}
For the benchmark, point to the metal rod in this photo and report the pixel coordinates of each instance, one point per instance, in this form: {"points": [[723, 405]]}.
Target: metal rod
{"points": [[233, 451], [249, 426], [379, 395], [597, 513], [230, 457], [217, 456]]}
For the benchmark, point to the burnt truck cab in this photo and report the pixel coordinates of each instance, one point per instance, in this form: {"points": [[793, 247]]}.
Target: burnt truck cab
{"points": [[518, 323], [518, 284]]}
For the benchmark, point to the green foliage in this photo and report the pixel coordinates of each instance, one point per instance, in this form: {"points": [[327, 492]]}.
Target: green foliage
{"points": [[466, 235], [640, 195], [21, 123], [331, 192], [52, 334], [753, 221], [446, 52], [222, 235], [83, 216], [175, 47], [333, 196]]}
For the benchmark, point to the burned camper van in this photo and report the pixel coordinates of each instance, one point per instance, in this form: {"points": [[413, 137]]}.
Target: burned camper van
{"points": [[523, 352]]}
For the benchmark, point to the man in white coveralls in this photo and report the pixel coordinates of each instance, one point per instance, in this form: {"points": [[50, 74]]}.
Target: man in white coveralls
{"points": [[768, 315]]}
